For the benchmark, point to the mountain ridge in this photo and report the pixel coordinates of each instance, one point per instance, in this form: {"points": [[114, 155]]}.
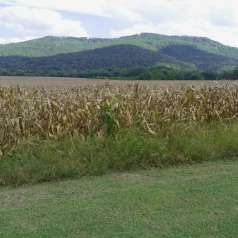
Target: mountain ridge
{"points": [[71, 56], [115, 60], [53, 45]]}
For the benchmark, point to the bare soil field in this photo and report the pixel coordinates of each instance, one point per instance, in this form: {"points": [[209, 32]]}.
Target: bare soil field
{"points": [[50, 82]]}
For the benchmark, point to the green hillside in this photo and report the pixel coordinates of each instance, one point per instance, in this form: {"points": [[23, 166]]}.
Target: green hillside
{"points": [[111, 59], [118, 61], [49, 45]]}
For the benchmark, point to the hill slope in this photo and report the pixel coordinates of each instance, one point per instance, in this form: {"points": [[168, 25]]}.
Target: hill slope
{"points": [[113, 61], [74, 64], [203, 60], [49, 46]]}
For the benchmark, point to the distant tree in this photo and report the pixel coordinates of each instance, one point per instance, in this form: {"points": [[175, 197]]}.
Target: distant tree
{"points": [[210, 76], [235, 74]]}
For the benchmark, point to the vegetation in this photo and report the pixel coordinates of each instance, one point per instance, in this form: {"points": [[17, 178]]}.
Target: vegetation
{"points": [[122, 61], [168, 73], [202, 60], [100, 110], [49, 46], [51, 134], [39, 161], [189, 201], [76, 64]]}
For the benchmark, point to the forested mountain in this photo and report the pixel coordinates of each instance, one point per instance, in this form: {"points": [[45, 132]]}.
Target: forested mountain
{"points": [[201, 59], [49, 45], [115, 61], [108, 58], [132, 55]]}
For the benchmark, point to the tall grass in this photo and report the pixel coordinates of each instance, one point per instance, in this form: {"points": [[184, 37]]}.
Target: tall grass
{"points": [[103, 110], [50, 134], [38, 161]]}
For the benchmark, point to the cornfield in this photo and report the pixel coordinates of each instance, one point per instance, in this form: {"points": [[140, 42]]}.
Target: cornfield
{"points": [[99, 110]]}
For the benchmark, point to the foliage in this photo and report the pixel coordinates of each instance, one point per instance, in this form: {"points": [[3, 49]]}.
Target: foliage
{"points": [[38, 161], [204, 61], [103, 110], [166, 73], [170, 73], [58, 133], [121, 61], [106, 61], [48, 46]]}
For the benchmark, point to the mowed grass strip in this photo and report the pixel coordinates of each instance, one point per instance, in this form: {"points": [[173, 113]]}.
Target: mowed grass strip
{"points": [[189, 201]]}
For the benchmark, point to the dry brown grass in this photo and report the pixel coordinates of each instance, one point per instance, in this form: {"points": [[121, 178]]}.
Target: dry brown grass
{"points": [[49, 82], [104, 108]]}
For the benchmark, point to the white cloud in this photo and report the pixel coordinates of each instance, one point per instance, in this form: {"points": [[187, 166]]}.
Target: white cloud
{"points": [[108, 8], [186, 29], [6, 40], [22, 23], [134, 9], [215, 18]]}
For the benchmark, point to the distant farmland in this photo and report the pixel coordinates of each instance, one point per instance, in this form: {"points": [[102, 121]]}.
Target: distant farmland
{"points": [[50, 82]]}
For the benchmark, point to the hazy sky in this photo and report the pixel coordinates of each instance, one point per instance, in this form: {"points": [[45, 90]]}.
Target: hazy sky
{"points": [[27, 19]]}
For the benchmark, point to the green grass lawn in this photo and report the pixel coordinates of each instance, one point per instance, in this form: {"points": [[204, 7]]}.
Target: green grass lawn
{"points": [[199, 200]]}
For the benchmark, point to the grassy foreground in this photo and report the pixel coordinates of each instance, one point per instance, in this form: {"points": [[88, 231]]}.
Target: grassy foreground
{"points": [[40, 161], [189, 201]]}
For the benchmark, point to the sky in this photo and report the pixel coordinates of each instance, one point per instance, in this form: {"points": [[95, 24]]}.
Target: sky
{"points": [[22, 20]]}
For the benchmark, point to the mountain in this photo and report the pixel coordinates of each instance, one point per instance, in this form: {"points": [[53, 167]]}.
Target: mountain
{"points": [[50, 45], [113, 61], [203, 60], [113, 57], [100, 61], [67, 56]]}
